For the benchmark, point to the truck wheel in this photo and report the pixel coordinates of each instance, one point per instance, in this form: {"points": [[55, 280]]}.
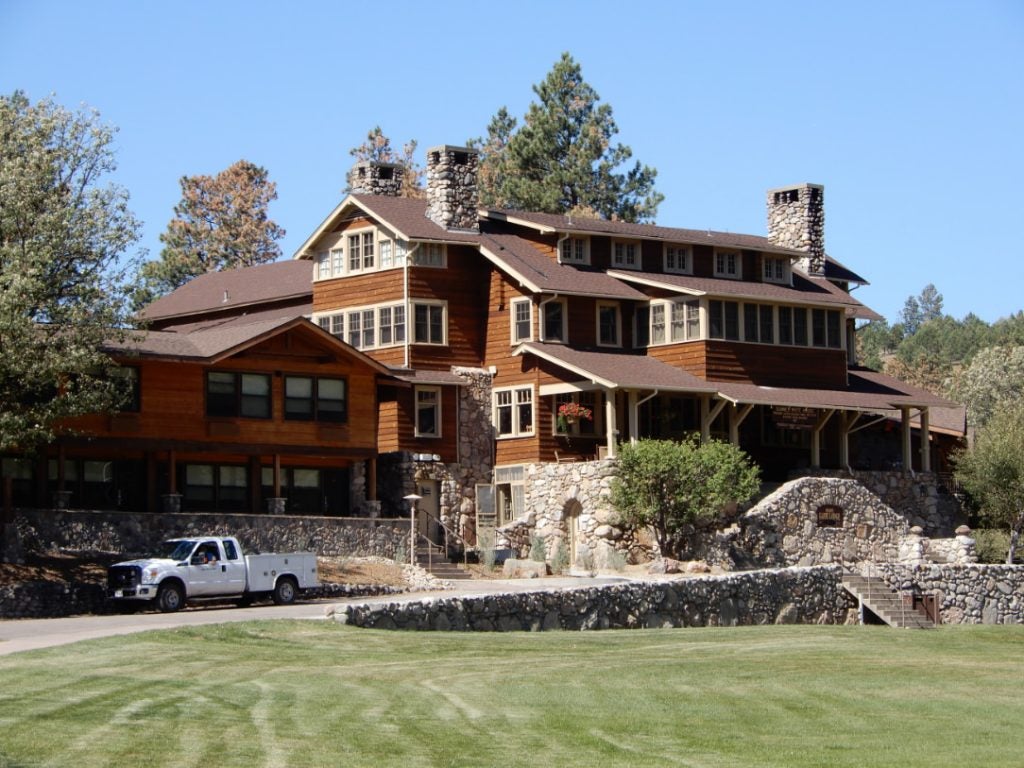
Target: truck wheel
{"points": [[170, 598], [285, 591]]}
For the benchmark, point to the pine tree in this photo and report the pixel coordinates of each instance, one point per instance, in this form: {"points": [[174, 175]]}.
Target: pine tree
{"points": [[563, 159]]}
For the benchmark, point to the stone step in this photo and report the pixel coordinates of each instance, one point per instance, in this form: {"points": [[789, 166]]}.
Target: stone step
{"points": [[876, 595]]}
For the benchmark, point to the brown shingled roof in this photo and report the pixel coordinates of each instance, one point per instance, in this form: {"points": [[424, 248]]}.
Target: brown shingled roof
{"points": [[540, 273], [234, 288], [618, 370]]}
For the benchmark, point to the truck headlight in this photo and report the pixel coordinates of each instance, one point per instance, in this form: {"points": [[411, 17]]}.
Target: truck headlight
{"points": [[150, 574]]}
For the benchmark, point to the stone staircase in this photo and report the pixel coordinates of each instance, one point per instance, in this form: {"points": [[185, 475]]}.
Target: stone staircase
{"points": [[874, 594], [434, 562]]}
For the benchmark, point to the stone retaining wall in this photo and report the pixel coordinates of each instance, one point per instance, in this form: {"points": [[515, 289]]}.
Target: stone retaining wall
{"points": [[967, 594], [138, 534], [790, 596]]}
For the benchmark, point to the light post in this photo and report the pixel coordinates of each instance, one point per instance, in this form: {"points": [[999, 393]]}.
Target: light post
{"points": [[412, 498]]}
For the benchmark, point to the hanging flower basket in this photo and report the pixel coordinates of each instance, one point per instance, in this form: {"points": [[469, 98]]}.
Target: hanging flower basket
{"points": [[570, 413]]}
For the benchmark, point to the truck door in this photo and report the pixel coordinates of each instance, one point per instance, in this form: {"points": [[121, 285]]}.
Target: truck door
{"points": [[211, 573]]}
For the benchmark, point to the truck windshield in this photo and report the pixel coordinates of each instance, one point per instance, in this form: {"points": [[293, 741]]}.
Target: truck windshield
{"points": [[179, 549]]}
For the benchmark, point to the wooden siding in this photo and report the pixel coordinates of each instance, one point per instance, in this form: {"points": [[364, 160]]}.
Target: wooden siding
{"points": [[764, 364], [173, 402], [397, 429]]}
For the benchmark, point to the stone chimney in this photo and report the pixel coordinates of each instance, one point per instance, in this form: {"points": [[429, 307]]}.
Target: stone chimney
{"points": [[796, 219], [372, 178], [451, 187]]}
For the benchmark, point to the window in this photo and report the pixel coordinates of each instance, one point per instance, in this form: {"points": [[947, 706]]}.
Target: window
{"points": [[216, 487], [129, 375], [238, 394], [367, 327], [642, 321], [430, 255], [785, 325], [384, 248], [800, 326], [361, 251], [582, 427], [657, 324], [574, 250], [513, 411], [626, 254], [553, 320], [678, 259], [309, 398], [724, 320], [401, 252], [608, 325], [522, 320], [323, 265], [429, 323], [826, 328], [758, 323], [775, 269], [428, 411], [728, 264], [509, 488], [685, 320]]}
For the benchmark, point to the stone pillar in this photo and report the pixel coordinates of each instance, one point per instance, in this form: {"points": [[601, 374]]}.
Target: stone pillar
{"points": [[374, 178], [796, 219], [452, 197]]}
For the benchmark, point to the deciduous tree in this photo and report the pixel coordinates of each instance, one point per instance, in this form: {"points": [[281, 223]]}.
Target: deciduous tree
{"points": [[220, 223], [994, 378], [63, 292], [563, 157], [668, 485], [992, 471]]}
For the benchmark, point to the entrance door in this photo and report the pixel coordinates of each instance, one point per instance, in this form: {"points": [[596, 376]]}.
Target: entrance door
{"points": [[428, 510]]}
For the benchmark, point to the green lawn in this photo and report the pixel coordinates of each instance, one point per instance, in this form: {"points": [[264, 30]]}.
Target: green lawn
{"points": [[273, 694]]}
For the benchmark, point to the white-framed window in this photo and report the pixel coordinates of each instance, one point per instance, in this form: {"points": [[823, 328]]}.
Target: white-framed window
{"points": [[793, 326], [430, 255], [510, 492], [323, 265], [609, 324], [330, 263], [513, 411], [574, 250], [728, 264], [626, 254], [826, 328], [775, 269], [554, 314], [366, 327], [385, 249], [657, 323], [401, 252], [522, 320], [580, 426], [678, 259], [428, 411], [430, 322]]}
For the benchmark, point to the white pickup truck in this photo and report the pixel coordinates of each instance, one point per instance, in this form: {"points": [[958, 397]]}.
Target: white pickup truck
{"points": [[210, 567]]}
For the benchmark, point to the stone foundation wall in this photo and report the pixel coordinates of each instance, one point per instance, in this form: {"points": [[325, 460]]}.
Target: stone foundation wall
{"points": [[137, 534], [918, 497], [791, 596], [967, 594]]}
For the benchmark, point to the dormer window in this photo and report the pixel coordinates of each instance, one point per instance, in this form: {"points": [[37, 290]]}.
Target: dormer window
{"points": [[574, 250], [775, 269], [728, 264], [679, 259], [361, 251], [625, 254]]}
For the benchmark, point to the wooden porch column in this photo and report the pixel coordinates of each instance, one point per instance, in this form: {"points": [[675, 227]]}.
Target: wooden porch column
{"points": [[816, 437], [926, 442], [634, 416], [846, 424], [708, 416], [908, 454], [737, 415], [609, 421], [277, 475]]}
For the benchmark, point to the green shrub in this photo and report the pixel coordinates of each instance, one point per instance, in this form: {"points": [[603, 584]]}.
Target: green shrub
{"points": [[560, 558], [537, 551], [991, 545]]}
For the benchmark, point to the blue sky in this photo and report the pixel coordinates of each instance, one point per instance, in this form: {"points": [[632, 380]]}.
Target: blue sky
{"points": [[910, 113]]}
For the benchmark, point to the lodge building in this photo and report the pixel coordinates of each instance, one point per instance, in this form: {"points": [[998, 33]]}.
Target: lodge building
{"points": [[432, 346]]}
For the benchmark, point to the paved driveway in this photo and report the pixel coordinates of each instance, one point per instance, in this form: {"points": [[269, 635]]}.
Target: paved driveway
{"points": [[28, 634]]}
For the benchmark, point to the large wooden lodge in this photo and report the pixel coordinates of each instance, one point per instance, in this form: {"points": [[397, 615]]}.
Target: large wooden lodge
{"points": [[428, 346]]}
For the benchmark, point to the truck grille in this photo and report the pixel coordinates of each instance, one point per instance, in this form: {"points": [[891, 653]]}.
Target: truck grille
{"points": [[123, 576]]}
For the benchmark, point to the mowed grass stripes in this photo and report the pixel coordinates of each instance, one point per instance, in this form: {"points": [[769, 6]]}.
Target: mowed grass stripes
{"points": [[281, 693]]}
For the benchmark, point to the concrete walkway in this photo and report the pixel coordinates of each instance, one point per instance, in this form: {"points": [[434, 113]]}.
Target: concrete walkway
{"points": [[18, 635]]}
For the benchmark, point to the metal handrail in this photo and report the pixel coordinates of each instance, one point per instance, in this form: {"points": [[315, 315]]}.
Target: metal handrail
{"points": [[448, 532]]}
